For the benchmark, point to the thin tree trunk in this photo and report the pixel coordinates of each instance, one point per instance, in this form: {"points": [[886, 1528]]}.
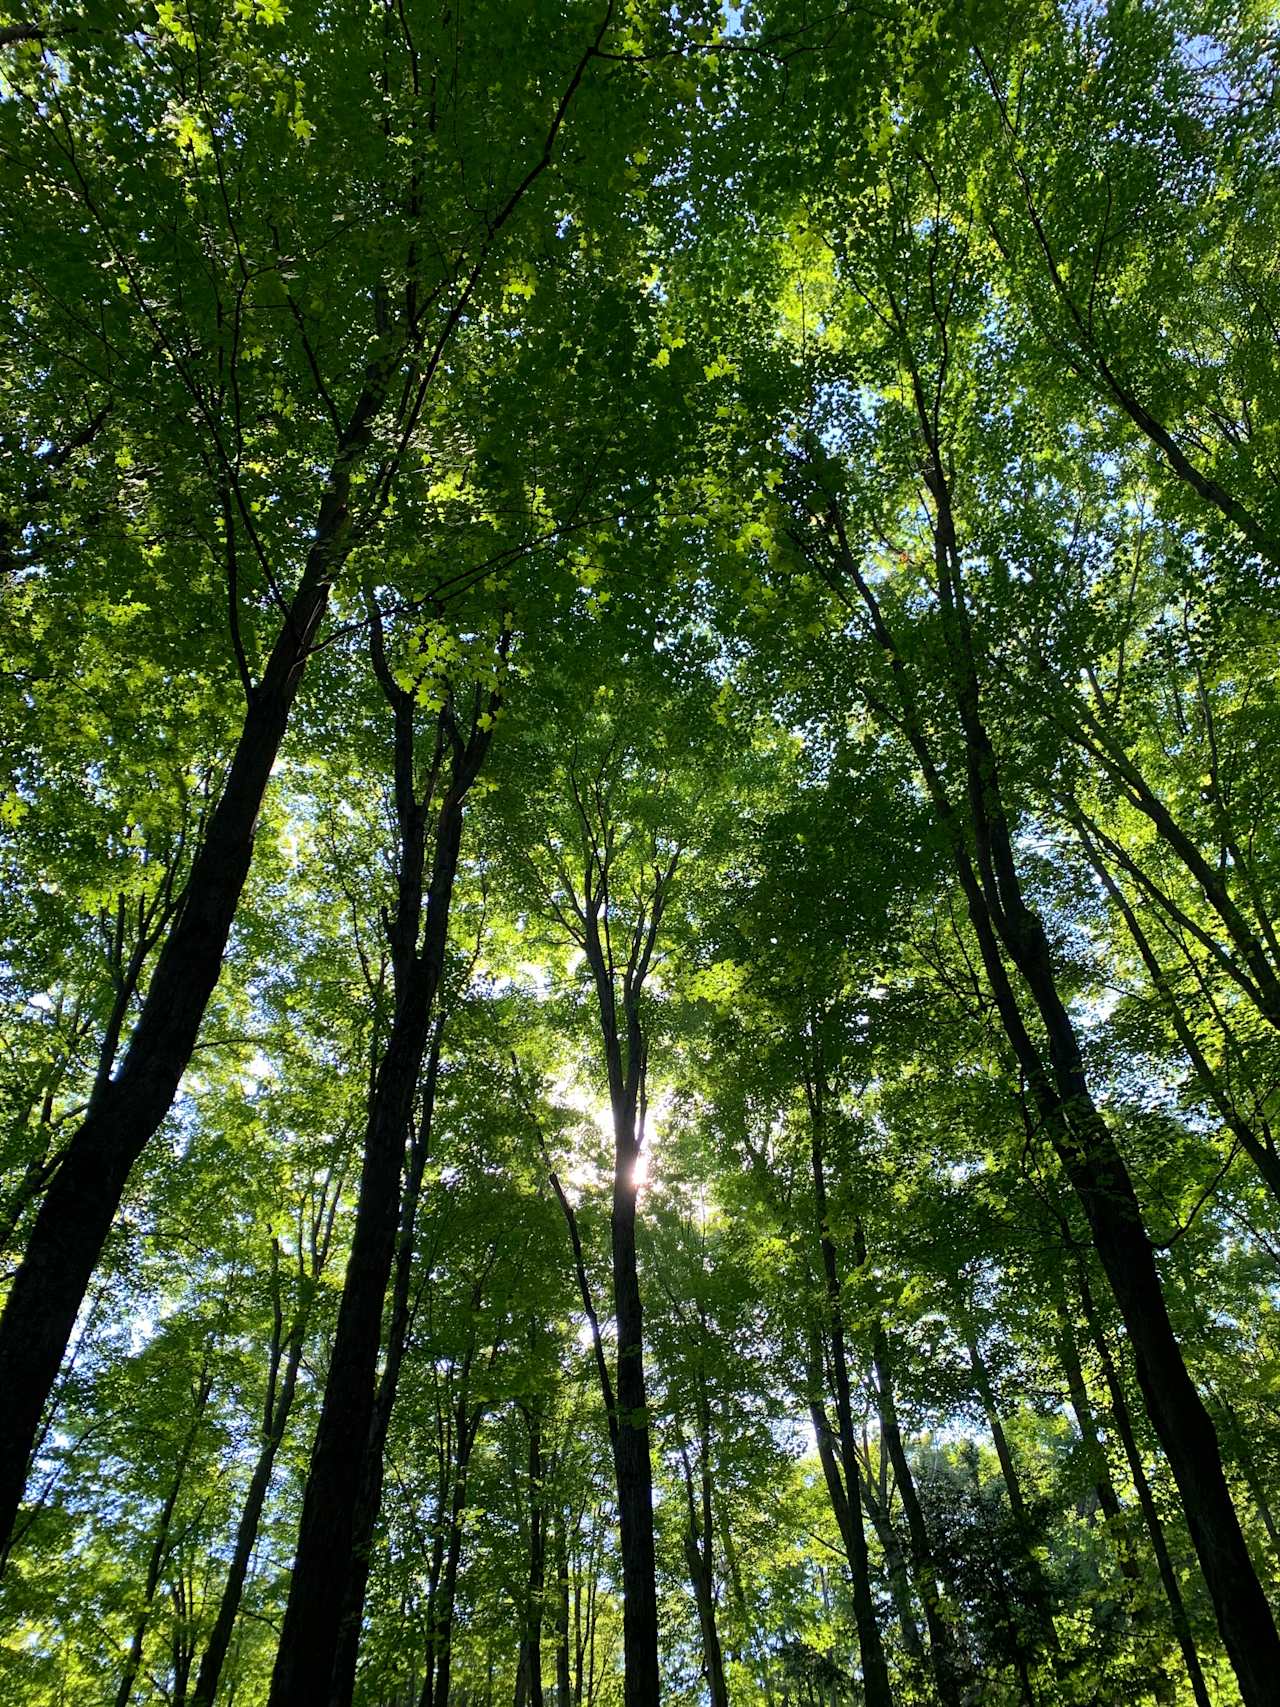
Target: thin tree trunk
{"points": [[942, 1648], [560, 1554], [700, 1561], [159, 1551], [529, 1667], [1142, 1487], [219, 1642], [875, 1671], [435, 1687], [1038, 1591], [895, 1564]]}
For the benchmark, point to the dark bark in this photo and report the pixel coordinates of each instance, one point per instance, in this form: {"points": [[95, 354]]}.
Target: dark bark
{"points": [[80, 1204], [699, 1553], [439, 1657], [282, 1384], [312, 1628], [895, 1565], [1142, 1487], [369, 1498], [1005, 924], [619, 992], [875, 1671], [942, 1646], [219, 1642], [159, 1550]]}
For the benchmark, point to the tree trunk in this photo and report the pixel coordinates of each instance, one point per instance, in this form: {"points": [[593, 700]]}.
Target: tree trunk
{"points": [[875, 1672], [560, 1553], [1096, 1169], [435, 1686], [942, 1648], [632, 1462], [369, 1498], [1142, 1487], [160, 1545], [80, 1204], [529, 1667], [312, 1628], [1004, 924], [215, 1652], [895, 1564], [699, 1554]]}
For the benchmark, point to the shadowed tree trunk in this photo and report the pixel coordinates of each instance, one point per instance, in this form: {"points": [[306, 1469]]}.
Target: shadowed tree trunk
{"points": [[1005, 925], [875, 1672], [281, 1389], [162, 1540], [80, 1203], [942, 1648], [369, 1499], [312, 1629], [619, 988]]}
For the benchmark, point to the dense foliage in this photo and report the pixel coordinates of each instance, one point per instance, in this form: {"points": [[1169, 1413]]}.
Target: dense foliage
{"points": [[640, 1025]]}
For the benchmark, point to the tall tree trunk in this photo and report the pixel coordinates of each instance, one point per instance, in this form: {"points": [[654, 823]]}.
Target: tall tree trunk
{"points": [[369, 1497], [631, 1451], [312, 1628], [942, 1647], [625, 1047], [875, 1671], [1004, 924], [80, 1203]]}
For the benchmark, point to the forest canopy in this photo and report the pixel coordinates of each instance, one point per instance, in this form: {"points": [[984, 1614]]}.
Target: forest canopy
{"points": [[640, 974]]}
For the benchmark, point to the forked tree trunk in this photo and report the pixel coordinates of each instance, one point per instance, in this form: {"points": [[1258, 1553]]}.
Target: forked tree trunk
{"points": [[311, 1633]]}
